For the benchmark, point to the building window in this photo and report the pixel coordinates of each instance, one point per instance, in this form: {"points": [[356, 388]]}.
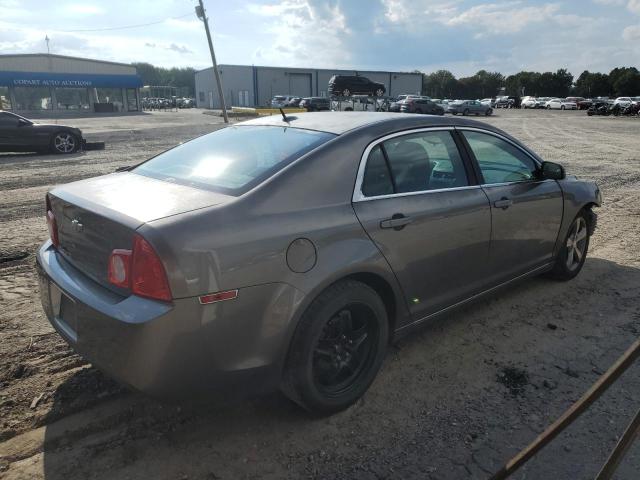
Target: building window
{"points": [[72, 98], [201, 96], [111, 95], [28, 98], [132, 100], [5, 100]]}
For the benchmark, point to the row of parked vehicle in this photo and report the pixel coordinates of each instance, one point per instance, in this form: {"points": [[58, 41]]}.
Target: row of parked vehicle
{"points": [[158, 103]]}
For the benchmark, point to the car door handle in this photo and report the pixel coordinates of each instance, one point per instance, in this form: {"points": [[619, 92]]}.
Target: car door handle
{"points": [[397, 222], [503, 203]]}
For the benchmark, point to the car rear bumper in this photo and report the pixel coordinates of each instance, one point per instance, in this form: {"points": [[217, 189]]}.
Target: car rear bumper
{"points": [[174, 350]]}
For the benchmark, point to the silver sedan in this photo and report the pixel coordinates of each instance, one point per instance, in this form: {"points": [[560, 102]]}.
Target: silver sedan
{"points": [[289, 252]]}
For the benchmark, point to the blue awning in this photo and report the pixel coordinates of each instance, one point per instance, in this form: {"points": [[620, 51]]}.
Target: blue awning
{"points": [[68, 80]]}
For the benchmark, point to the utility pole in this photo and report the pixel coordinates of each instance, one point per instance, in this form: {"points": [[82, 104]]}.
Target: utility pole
{"points": [[200, 12], [46, 39]]}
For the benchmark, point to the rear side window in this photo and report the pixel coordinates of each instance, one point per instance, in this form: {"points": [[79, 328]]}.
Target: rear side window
{"points": [[234, 159], [499, 161], [414, 163]]}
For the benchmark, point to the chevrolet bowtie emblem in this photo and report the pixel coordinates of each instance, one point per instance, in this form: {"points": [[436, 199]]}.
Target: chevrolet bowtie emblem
{"points": [[77, 226]]}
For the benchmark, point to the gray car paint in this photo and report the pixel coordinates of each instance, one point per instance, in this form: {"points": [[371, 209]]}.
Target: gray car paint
{"points": [[210, 242]]}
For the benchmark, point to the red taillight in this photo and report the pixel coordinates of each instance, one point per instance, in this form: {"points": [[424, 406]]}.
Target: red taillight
{"points": [[148, 278], [139, 270], [218, 297], [52, 224]]}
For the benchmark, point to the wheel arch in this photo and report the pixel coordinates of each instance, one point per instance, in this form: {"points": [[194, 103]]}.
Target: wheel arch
{"points": [[388, 291]]}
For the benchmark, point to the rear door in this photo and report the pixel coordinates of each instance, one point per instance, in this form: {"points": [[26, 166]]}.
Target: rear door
{"points": [[419, 202], [526, 211]]}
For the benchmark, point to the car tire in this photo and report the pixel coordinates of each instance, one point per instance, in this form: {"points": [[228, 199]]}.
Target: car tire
{"points": [[379, 92], [346, 92], [64, 142], [489, 112], [320, 375], [548, 107], [561, 107], [573, 253], [466, 112]]}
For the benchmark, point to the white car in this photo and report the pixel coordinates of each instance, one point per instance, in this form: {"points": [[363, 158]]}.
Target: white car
{"points": [[280, 101], [487, 101], [623, 101], [529, 102], [560, 104]]}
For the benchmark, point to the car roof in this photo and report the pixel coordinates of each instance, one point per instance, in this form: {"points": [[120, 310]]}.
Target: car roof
{"points": [[342, 122]]}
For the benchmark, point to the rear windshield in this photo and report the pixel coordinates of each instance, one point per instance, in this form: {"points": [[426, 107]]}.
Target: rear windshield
{"points": [[234, 159]]}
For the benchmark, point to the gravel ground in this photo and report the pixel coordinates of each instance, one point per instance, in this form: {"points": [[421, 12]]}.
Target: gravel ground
{"points": [[453, 401]]}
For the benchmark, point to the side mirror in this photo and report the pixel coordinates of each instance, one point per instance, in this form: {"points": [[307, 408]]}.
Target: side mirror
{"points": [[552, 171], [23, 123]]}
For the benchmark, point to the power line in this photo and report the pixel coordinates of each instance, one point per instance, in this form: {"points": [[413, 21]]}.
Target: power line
{"points": [[126, 26]]}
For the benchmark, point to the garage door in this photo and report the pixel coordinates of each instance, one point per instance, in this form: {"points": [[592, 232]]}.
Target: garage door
{"points": [[300, 84]]}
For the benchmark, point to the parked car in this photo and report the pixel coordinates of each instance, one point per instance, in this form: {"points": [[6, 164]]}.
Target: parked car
{"points": [[395, 106], [585, 104], [623, 101], [507, 102], [294, 102], [560, 104], [420, 105], [315, 104], [529, 102], [575, 100], [346, 85], [19, 134], [281, 101], [488, 101], [267, 266], [469, 107]]}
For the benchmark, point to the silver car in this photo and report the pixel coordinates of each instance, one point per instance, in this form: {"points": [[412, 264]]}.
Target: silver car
{"points": [[289, 252]]}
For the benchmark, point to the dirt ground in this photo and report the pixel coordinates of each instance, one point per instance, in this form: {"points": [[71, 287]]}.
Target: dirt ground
{"points": [[453, 401]]}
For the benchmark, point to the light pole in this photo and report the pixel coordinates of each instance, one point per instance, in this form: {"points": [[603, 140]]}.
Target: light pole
{"points": [[200, 12]]}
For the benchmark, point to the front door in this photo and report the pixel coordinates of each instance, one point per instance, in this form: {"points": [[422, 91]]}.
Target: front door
{"points": [[526, 211], [8, 130], [430, 222]]}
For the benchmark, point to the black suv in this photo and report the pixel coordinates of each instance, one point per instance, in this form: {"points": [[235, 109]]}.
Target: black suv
{"points": [[315, 104], [347, 85]]}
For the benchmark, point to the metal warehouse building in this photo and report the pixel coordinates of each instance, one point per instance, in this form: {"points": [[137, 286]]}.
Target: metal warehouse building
{"points": [[252, 86], [36, 82]]}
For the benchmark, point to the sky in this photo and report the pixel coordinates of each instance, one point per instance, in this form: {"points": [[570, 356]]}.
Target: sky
{"points": [[463, 36]]}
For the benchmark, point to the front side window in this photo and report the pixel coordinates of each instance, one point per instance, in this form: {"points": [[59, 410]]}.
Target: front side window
{"points": [[233, 159], [414, 163], [500, 161]]}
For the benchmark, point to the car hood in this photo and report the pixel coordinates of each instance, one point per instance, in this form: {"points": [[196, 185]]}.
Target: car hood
{"points": [[52, 126], [133, 199]]}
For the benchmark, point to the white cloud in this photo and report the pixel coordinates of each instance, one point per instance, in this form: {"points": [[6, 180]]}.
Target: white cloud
{"points": [[305, 33], [500, 18], [634, 6], [631, 33], [82, 9]]}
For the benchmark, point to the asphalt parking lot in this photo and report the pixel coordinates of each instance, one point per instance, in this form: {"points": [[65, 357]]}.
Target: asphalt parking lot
{"points": [[454, 401]]}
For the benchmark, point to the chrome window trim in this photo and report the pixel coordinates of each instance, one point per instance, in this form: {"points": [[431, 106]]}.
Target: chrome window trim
{"points": [[358, 196]]}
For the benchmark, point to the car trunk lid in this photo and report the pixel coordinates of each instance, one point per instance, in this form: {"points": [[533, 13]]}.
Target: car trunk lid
{"points": [[98, 215]]}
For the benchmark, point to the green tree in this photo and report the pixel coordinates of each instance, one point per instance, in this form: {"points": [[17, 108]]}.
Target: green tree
{"points": [[593, 85], [626, 83]]}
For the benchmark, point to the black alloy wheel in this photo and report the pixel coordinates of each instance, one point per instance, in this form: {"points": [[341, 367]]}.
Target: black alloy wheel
{"points": [[337, 349]]}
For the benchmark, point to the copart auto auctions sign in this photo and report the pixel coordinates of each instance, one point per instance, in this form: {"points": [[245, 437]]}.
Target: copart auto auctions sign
{"points": [[51, 83]]}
